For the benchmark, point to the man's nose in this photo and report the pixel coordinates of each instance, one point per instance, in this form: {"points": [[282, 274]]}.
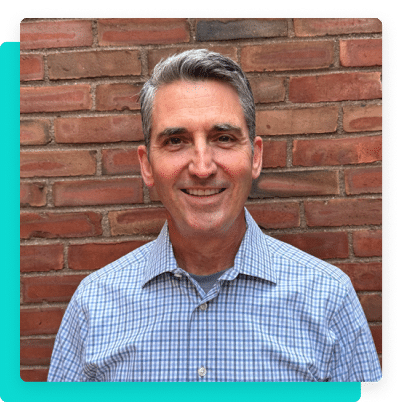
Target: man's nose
{"points": [[202, 163]]}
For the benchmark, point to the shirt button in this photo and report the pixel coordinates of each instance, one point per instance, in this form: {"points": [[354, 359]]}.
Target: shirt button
{"points": [[202, 371], [203, 307]]}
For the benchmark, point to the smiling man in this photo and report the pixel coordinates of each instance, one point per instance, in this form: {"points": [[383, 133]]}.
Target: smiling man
{"points": [[212, 298]]}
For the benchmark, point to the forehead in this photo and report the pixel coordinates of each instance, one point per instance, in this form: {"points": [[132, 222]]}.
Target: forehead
{"points": [[181, 101]]}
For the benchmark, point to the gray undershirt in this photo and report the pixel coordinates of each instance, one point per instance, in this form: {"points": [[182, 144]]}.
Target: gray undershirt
{"points": [[207, 281]]}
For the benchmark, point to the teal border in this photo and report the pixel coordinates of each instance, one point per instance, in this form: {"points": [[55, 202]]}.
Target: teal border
{"points": [[12, 388]]}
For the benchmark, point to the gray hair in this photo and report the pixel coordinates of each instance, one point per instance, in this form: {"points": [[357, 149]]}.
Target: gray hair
{"points": [[197, 65]]}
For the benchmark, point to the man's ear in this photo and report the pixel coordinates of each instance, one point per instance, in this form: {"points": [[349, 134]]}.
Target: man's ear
{"points": [[145, 166], [257, 157]]}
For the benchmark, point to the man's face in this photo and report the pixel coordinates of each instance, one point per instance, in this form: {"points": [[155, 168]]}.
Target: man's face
{"points": [[201, 161]]}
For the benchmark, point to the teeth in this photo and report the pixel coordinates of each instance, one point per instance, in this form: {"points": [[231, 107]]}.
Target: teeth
{"points": [[203, 192]]}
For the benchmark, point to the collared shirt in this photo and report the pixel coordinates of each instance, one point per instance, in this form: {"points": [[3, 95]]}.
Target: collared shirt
{"points": [[278, 315]]}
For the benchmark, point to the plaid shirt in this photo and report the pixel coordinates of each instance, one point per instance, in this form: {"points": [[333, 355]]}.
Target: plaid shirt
{"points": [[278, 315]]}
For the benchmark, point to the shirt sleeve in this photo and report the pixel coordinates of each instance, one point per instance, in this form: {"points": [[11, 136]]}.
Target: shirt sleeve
{"points": [[354, 356], [68, 352]]}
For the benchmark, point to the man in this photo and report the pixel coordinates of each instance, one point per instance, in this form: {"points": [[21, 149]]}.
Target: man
{"points": [[213, 298]]}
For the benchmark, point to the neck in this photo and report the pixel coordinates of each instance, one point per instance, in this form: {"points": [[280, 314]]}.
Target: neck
{"points": [[205, 253]]}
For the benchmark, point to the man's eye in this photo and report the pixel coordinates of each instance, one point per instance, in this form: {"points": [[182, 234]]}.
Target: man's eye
{"points": [[225, 138], [173, 141]]}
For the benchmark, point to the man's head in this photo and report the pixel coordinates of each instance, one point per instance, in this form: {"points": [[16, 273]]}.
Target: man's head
{"points": [[202, 159]]}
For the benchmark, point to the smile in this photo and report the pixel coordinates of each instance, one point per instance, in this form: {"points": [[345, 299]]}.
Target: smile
{"points": [[202, 193]]}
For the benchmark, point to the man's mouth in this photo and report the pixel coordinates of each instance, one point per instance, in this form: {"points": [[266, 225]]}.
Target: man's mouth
{"points": [[202, 193]]}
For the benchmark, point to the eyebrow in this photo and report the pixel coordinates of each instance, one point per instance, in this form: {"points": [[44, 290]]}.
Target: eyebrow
{"points": [[171, 131]]}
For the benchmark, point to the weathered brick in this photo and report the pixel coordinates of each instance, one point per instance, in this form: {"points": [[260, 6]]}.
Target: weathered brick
{"points": [[36, 351], [319, 244], [361, 52], [335, 87], [372, 306], [32, 194], [363, 180], [335, 26], [228, 28], [343, 212], [137, 221], [54, 225], [277, 215], [106, 63], [297, 121], [363, 275], [362, 118], [118, 97], [34, 375], [31, 67], [61, 98], [51, 34], [268, 89], [155, 55], [40, 321], [367, 243], [337, 151], [120, 161], [98, 192], [35, 132], [376, 331], [142, 31], [49, 288], [57, 163], [295, 184], [92, 256], [81, 130], [274, 154], [288, 56], [37, 258]]}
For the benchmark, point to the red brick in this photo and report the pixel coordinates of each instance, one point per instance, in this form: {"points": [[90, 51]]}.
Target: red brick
{"points": [[361, 52], [92, 256], [277, 215], [343, 212], [363, 180], [37, 258], [57, 163], [362, 118], [107, 63], [81, 130], [35, 132], [61, 98], [36, 351], [142, 31], [335, 26], [40, 321], [120, 161], [33, 194], [363, 275], [337, 151], [144, 221], [155, 55], [268, 89], [295, 184], [288, 56], [274, 154], [31, 67], [53, 225], [51, 34], [319, 244], [297, 121], [335, 87], [118, 97], [49, 288], [98, 192], [376, 331], [367, 243], [34, 375], [372, 306]]}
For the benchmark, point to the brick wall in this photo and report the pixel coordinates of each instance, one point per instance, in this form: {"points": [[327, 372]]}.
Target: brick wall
{"points": [[317, 87]]}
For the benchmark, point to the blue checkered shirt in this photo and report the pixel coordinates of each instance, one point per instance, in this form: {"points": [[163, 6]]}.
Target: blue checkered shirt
{"points": [[278, 315]]}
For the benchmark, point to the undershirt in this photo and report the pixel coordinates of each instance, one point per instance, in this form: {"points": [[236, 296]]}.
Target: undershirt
{"points": [[208, 281]]}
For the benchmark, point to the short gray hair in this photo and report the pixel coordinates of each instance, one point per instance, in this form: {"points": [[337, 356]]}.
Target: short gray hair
{"points": [[197, 65]]}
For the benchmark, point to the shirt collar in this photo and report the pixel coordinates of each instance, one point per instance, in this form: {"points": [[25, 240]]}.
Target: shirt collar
{"points": [[252, 258]]}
